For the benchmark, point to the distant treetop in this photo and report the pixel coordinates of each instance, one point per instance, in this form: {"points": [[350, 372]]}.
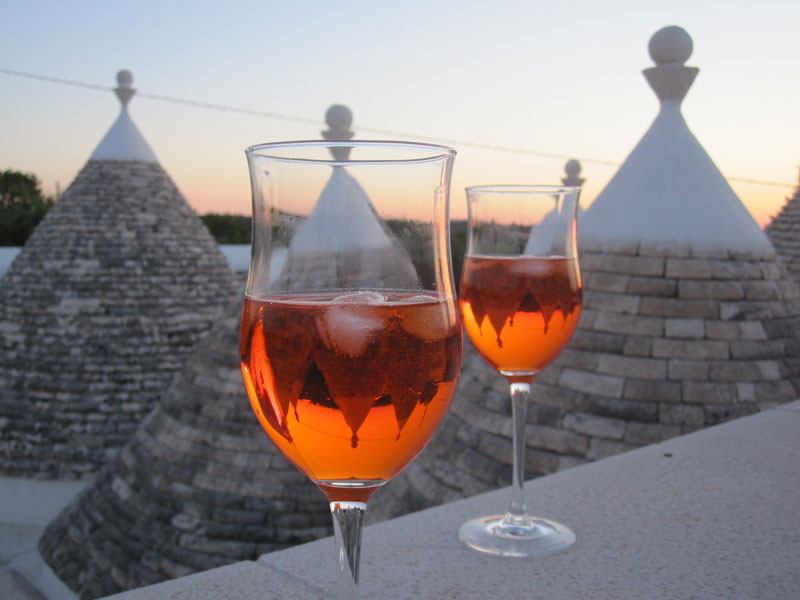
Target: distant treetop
{"points": [[22, 206]]}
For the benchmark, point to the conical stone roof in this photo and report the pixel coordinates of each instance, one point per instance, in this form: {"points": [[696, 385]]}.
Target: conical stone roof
{"points": [[680, 329], [668, 189], [102, 305], [784, 233]]}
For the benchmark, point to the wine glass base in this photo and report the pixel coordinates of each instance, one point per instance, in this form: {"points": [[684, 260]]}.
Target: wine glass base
{"points": [[538, 537]]}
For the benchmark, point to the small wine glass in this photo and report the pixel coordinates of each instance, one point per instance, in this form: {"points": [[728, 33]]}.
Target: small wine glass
{"points": [[350, 338], [520, 302]]}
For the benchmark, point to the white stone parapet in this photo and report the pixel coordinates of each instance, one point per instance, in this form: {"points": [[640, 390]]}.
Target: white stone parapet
{"points": [[708, 515]]}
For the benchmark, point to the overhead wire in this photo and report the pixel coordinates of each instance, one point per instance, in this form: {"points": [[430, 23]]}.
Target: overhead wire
{"points": [[309, 121]]}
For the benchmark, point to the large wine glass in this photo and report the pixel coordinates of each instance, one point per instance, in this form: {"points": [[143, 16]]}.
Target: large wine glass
{"points": [[520, 301], [350, 337]]}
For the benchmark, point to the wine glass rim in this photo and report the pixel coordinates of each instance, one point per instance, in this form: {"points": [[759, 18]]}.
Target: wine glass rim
{"points": [[425, 152], [522, 189]]}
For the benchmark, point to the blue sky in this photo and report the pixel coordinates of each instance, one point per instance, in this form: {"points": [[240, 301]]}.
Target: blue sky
{"points": [[561, 77]]}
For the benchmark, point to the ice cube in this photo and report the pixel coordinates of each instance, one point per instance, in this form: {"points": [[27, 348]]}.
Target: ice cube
{"points": [[532, 267], [350, 328], [348, 299], [419, 298], [360, 298], [431, 320]]}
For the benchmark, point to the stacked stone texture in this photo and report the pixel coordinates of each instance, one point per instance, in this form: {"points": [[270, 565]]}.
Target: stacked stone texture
{"points": [[671, 339], [101, 307], [784, 233], [198, 485]]}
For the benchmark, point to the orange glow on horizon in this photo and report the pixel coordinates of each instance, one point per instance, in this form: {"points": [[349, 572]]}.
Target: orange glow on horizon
{"points": [[229, 193]]}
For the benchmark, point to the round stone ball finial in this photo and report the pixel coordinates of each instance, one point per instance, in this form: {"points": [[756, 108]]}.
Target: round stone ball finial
{"points": [[124, 89], [572, 168], [339, 118], [670, 45], [125, 79]]}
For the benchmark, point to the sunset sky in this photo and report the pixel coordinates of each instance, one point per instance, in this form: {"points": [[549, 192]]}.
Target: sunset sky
{"points": [[553, 77]]}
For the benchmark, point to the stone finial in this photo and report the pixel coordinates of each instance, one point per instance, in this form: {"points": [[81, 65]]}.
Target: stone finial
{"points": [[670, 45], [669, 48], [124, 89], [124, 141], [573, 170], [688, 199], [339, 119]]}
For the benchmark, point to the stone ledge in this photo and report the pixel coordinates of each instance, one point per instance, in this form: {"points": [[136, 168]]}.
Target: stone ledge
{"points": [[669, 504]]}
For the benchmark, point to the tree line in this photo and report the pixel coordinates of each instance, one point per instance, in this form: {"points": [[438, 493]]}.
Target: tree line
{"points": [[23, 205], [236, 229]]}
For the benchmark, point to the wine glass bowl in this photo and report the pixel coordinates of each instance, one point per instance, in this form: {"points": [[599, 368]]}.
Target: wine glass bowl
{"points": [[507, 300], [333, 380], [520, 300], [350, 338]]}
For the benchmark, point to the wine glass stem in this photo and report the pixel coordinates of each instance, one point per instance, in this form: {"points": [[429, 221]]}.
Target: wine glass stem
{"points": [[348, 522], [517, 511]]}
